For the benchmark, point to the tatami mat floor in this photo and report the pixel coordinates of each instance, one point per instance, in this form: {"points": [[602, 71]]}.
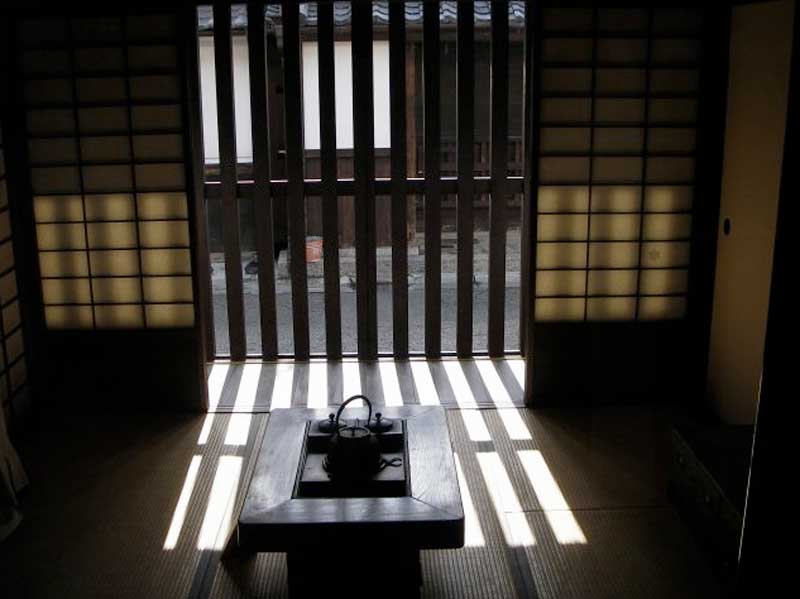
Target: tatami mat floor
{"points": [[558, 504]]}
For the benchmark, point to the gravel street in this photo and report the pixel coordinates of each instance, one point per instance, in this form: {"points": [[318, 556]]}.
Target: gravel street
{"points": [[416, 300]]}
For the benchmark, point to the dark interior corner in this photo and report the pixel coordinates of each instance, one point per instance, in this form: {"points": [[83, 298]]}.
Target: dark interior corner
{"points": [[549, 259]]}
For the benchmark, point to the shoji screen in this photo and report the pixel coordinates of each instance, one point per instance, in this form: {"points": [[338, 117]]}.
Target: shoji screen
{"points": [[616, 169], [13, 372], [104, 124]]}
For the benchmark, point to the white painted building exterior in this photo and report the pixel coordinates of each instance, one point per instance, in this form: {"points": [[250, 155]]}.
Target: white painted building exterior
{"points": [[344, 97]]}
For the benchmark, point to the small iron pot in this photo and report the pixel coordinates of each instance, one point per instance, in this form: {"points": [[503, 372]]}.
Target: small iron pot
{"points": [[353, 453]]}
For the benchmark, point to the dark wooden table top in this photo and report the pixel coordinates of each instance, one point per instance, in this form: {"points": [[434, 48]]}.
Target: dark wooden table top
{"points": [[431, 517]]}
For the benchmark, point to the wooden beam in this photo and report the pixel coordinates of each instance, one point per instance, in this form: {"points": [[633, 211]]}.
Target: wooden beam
{"points": [[383, 186]]}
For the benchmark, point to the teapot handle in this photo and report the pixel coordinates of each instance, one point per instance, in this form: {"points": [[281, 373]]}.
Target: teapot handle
{"points": [[347, 401]]}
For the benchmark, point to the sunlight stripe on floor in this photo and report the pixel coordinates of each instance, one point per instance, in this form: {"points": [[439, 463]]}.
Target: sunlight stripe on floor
{"points": [[216, 381], [248, 386], [512, 420], [517, 367], [317, 385], [282, 389], [473, 535], [462, 392], [475, 425], [497, 390], [559, 516], [351, 382], [392, 396], [238, 429], [516, 529], [179, 515], [219, 512], [423, 381], [208, 422]]}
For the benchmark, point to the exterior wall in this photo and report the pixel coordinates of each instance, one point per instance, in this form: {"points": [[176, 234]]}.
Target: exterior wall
{"points": [[344, 97], [757, 95], [241, 91]]}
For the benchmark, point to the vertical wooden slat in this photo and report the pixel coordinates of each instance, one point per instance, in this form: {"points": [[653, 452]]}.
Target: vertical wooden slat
{"points": [[364, 181], [187, 46], [79, 160], [645, 149], [262, 199], [223, 61], [499, 137], [295, 197], [466, 160], [330, 201], [525, 270], [201, 263], [397, 83], [592, 132], [530, 203], [132, 166], [433, 216]]}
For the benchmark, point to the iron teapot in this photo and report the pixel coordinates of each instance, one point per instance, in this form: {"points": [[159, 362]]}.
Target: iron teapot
{"points": [[354, 453]]}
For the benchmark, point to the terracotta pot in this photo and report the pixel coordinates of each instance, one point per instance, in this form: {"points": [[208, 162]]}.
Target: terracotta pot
{"points": [[313, 249]]}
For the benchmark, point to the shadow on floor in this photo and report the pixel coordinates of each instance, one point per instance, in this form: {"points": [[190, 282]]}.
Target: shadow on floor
{"points": [[557, 504]]}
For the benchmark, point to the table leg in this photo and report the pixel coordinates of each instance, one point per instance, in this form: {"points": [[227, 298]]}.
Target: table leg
{"points": [[355, 573]]}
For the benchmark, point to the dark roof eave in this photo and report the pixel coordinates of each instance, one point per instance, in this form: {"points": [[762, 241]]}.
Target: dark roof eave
{"points": [[380, 14]]}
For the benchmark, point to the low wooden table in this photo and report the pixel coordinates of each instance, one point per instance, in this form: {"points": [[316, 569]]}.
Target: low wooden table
{"points": [[354, 545]]}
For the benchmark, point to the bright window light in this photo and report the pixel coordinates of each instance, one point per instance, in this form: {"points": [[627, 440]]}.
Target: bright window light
{"points": [[219, 511], [515, 526], [473, 535], [179, 515], [562, 522]]}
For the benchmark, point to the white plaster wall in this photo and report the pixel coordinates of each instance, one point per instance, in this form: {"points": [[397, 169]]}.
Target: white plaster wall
{"points": [[241, 90], [344, 94], [344, 97]]}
